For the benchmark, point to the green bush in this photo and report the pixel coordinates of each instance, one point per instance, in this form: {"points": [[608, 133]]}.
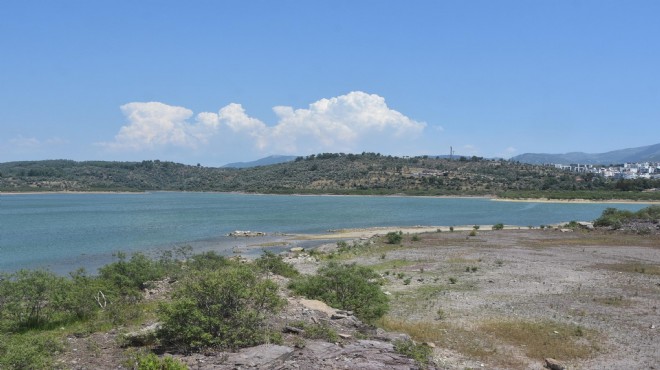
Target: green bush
{"points": [[130, 276], [349, 287], [207, 261], [139, 360], [31, 299], [614, 218], [275, 264], [28, 351], [500, 226], [317, 331], [394, 237], [219, 308]]}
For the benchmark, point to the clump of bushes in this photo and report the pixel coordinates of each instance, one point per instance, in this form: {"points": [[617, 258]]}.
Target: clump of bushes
{"points": [[499, 226], [421, 353], [219, 308], [148, 361], [349, 287], [615, 218], [273, 263], [394, 237]]}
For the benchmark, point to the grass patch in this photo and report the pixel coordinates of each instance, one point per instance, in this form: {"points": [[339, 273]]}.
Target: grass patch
{"points": [[394, 264], [461, 260], [613, 301], [633, 267], [539, 339], [591, 239], [442, 334], [272, 244]]}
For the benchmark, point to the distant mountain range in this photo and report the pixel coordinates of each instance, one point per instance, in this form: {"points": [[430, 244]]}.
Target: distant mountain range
{"points": [[650, 153], [273, 159]]}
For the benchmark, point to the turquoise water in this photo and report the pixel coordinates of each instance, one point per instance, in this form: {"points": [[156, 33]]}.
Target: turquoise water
{"points": [[66, 231]]}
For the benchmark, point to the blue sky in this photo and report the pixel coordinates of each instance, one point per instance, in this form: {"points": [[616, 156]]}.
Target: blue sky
{"points": [[213, 82]]}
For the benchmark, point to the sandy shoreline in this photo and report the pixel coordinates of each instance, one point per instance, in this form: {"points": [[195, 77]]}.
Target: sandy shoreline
{"points": [[71, 192], [370, 232], [490, 197], [576, 201]]}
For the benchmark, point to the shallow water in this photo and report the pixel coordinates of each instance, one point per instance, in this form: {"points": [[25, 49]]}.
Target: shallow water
{"points": [[66, 231]]}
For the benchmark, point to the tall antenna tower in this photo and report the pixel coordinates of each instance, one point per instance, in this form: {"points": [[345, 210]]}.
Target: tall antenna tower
{"points": [[451, 152]]}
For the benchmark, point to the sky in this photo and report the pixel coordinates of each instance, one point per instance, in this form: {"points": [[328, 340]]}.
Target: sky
{"points": [[214, 82]]}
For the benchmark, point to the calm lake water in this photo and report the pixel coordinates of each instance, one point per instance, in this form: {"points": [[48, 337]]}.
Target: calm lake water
{"points": [[65, 231]]}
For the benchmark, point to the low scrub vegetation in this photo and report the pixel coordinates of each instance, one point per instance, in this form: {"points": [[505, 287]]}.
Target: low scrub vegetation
{"points": [[615, 218], [544, 338], [349, 287], [219, 308], [217, 302]]}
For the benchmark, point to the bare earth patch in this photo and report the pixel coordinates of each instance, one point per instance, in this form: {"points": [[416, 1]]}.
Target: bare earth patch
{"points": [[506, 299]]}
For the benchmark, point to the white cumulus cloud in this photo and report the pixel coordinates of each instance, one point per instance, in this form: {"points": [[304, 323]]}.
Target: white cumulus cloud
{"points": [[344, 123]]}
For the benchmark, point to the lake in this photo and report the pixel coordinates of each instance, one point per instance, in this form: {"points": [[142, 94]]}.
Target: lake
{"points": [[65, 231]]}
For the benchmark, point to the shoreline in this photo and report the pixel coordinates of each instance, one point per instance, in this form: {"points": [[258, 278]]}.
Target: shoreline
{"points": [[70, 192], [370, 232], [489, 197], [576, 201]]}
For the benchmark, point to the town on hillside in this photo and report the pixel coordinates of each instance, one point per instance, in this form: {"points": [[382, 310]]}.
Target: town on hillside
{"points": [[645, 170]]}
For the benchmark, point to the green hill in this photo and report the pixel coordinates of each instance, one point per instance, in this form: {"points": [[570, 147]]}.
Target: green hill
{"points": [[367, 173]]}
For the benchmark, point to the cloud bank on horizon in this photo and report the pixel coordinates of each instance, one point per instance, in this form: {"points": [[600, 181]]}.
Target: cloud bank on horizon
{"points": [[356, 121]]}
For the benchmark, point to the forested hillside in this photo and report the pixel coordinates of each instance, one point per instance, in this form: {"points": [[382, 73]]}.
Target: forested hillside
{"points": [[367, 173]]}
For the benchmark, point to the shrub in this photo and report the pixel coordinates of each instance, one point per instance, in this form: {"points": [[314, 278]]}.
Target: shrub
{"points": [[421, 353], [415, 238], [614, 218], [349, 287], [208, 261], [219, 308], [317, 331], [130, 276], [30, 298], [28, 351], [451, 228], [473, 232], [139, 360], [394, 237], [499, 226], [275, 264]]}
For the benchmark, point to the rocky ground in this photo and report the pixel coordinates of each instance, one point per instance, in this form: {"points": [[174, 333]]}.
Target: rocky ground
{"points": [[592, 297]]}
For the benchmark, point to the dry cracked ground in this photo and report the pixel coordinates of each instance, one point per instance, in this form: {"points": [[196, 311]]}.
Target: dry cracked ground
{"points": [[498, 300]]}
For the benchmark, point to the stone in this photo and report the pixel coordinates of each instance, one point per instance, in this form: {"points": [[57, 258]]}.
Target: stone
{"points": [[144, 336], [297, 249], [552, 364], [292, 329], [265, 354]]}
